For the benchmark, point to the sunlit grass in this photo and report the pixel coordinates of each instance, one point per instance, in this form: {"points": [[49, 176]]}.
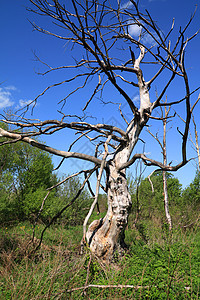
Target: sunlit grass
{"points": [[148, 270]]}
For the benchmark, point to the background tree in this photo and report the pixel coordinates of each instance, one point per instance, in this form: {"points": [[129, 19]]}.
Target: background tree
{"points": [[191, 195], [26, 173], [152, 223], [108, 56], [163, 145], [153, 203], [77, 212]]}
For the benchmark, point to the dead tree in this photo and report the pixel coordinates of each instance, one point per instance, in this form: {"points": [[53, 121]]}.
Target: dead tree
{"points": [[194, 141], [113, 57], [163, 145]]}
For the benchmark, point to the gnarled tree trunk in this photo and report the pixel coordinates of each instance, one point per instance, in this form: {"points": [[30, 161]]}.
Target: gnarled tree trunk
{"points": [[107, 235]]}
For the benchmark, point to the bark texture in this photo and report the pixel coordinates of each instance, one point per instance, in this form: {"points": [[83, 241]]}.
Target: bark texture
{"points": [[107, 235]]}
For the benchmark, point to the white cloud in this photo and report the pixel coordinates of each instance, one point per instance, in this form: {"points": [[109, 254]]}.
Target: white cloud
{"points": [[10, 88], [136, 99], [147, 39], [147, 153], [134, 30], [23, 103], [126, 5], [5, 98]]}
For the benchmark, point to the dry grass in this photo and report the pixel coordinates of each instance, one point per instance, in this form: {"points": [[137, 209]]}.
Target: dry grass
{"points": [[58, 268]]}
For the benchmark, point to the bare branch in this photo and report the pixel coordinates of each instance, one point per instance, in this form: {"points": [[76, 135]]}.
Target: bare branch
{"points": [[65, 154], [118, 286], [41, 209], [65, 207], [151, 162], [149, 178], [97, 187]]}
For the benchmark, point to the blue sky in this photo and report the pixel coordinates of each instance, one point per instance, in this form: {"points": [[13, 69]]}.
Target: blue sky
{"points": [[21, 83]]}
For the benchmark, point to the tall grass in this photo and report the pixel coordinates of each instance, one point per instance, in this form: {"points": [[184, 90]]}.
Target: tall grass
{"points": [[166, 267]]}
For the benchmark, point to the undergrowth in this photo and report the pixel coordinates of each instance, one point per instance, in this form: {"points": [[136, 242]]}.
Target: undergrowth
{"points": [[150, 269]]}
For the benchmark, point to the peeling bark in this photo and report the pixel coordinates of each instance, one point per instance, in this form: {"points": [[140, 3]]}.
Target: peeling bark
{"points": [[107, 235]]}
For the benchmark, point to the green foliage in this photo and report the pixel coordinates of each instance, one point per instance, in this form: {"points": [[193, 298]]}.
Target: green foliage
{"points": [[76, 212], [145, 272], [191, 194], [158, 264], [156, 198], [148, 203], [147, 220], [39, 171], [25, 174]]}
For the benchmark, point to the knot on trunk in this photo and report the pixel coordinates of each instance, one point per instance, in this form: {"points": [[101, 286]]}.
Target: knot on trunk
{"points": [[104, 235]]}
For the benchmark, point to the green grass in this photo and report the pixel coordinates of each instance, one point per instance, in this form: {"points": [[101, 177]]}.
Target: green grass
{"points": [[164, 267]]}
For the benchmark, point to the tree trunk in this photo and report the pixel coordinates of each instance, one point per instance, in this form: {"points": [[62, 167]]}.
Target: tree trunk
{"points": [[107, 235], [166, 201]]}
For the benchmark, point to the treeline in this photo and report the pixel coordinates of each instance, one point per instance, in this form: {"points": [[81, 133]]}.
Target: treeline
{"points": [[181, 201], [148, 213], [26, 173]]}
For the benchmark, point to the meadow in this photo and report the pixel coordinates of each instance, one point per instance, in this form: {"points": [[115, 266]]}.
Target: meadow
{"points": [[164, 267]]}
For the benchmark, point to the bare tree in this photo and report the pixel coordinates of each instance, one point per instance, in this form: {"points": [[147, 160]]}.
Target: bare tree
{"points": [[102, 33], [163, 145], [195, 140]]}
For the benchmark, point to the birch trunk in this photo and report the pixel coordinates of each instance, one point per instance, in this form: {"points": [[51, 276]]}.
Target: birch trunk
{"points": [[166, 199], [197, 143]]}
